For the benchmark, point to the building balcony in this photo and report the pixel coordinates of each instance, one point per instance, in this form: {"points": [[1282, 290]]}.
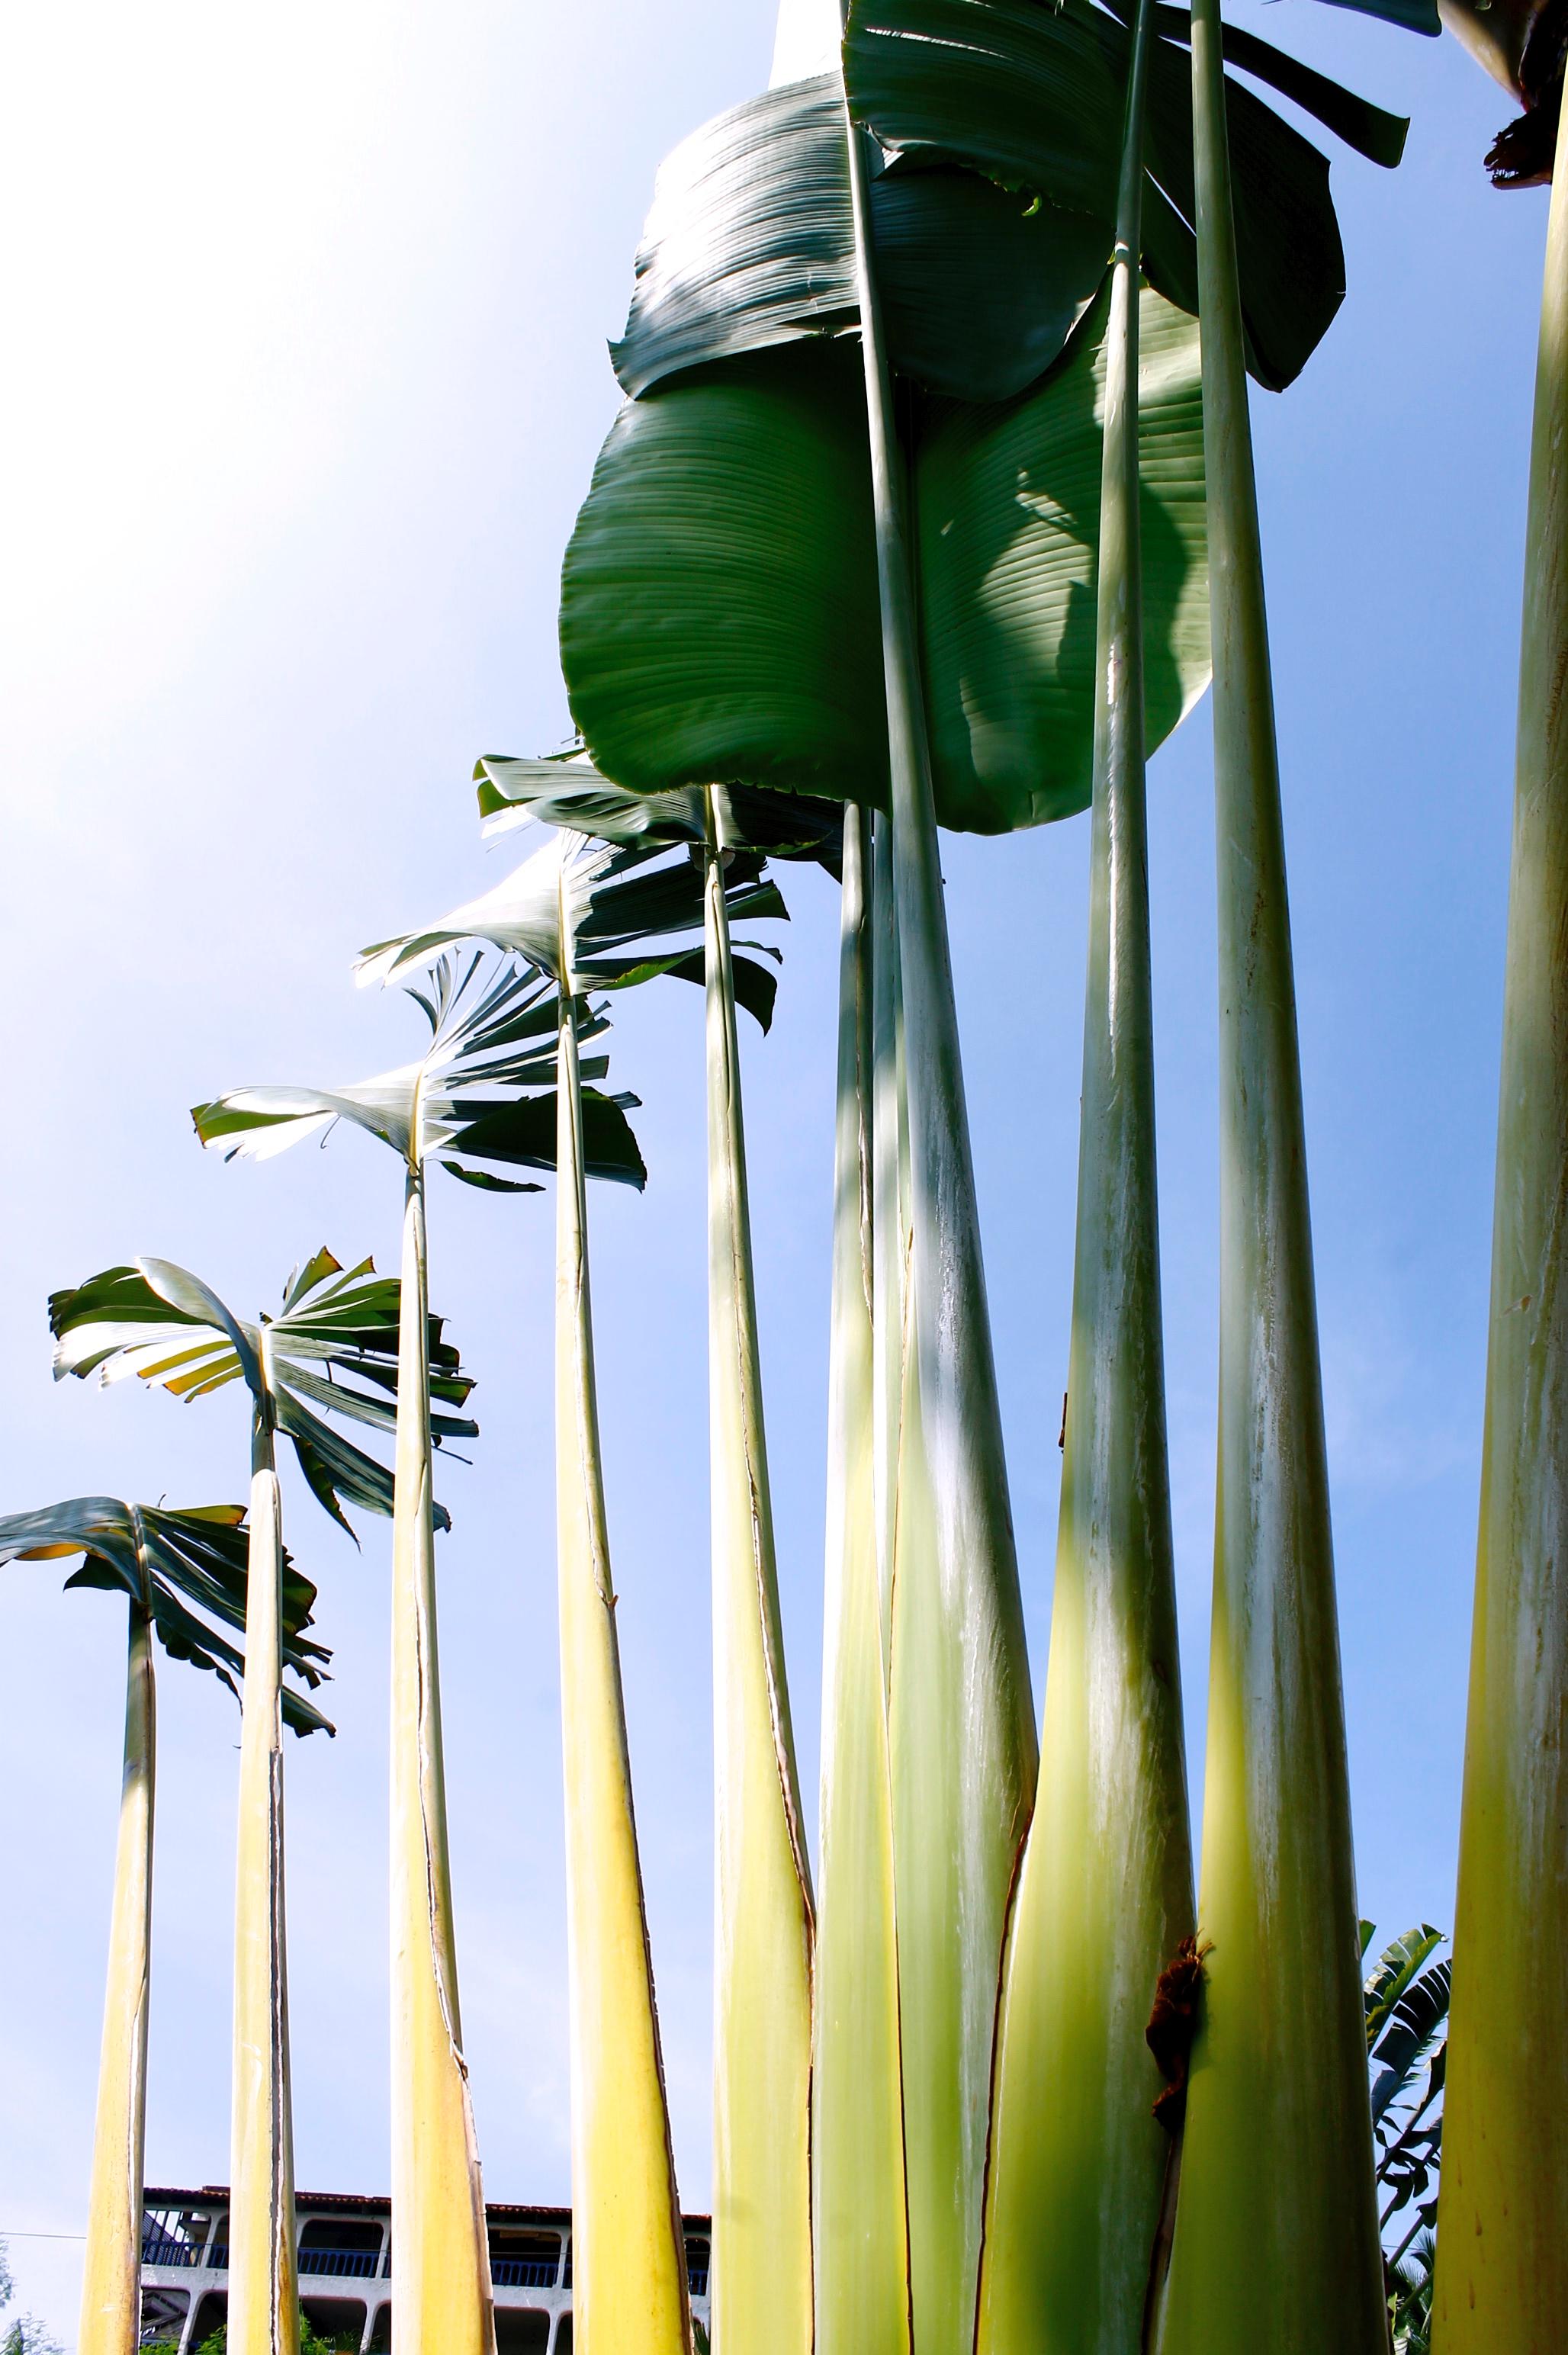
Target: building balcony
{"points": [[344, 2243]]}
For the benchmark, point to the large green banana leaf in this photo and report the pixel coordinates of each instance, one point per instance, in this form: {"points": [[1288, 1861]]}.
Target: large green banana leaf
{"points": [[719, 604], [749, 243], [1032, 96], [1009, 541]]}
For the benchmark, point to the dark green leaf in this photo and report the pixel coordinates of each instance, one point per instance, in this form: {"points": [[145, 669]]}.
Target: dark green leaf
{"points": [[1370, 130], [1008, 506], [749, 244], [177, 1565], [719, 614], [1031, 95], [524, 1134]]}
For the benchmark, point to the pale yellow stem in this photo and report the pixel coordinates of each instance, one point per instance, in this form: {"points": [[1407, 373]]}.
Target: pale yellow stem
{"points": [[263, 2300], [441, 2282], [1276, 2228], [629, 2285], [858, 2160], [763, 1925], [1502, 2240], [961, 1718], [111, 2286]]}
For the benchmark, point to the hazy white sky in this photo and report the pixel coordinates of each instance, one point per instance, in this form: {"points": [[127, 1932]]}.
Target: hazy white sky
{"points": [[305, 319]]}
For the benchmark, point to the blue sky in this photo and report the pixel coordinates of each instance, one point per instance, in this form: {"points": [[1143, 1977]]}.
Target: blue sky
{"points": [[307, 320]]}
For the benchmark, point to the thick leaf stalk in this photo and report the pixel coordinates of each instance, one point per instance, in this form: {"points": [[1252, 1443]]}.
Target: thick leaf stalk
{"points": [[111, 2277], [962, 1738], [263, 2289], [862, 2229], [629, 2283], [1277, 2240], [762, 1923], [1502, 2242], [441, 2288], [1078, 2161]]}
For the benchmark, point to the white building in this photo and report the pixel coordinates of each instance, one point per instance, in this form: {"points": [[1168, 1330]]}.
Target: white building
{"points": [[346, 2264]]}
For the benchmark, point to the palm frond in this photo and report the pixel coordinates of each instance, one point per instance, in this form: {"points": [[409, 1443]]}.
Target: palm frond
{"points": [[185, 1569], [333, 1348], [575, 905], [493, 1024], [572, 794], [1397, 1966]]}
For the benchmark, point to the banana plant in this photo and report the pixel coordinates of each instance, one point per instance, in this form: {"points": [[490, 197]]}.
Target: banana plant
{"points": [[332, 1348], [1080, 2171], [590, 916], [180, 1571], [761, 2271], [783, 645], [1502, 2229], [483, 1091]]}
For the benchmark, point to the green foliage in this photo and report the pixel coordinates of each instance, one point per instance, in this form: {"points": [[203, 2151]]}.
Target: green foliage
{"points": [[184, 1569], [567, 791], [1032, 98], [25, 2334], [484, 1090], [588, 915], [161, 1324], [1410, 2298], [311, 2341], [1407, 2015]]}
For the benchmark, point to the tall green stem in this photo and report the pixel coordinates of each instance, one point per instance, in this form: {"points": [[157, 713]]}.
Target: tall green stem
{"points": [[1502, 2242], [762, 1941], [890, 1209], [263, 2300], [629, 2285], [440, 2289], [1104, 1894], [1277, 2241], [861, 2230], [111, 2274], [962, 1736]]}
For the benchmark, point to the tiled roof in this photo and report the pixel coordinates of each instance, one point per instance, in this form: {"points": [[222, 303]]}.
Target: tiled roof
{"points": [[361, 2203]]}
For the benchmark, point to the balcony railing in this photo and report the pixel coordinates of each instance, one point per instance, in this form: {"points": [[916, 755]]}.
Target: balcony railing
{"points": [[525, 2272], [160, 2248], [361, 2263]]}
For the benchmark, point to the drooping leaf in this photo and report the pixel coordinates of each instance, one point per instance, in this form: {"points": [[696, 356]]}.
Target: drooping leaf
{"points": [[1370, 130], [574, 795], [718, 599], [1009, 504], [185, 1569], [719, 611], [523, 1134], [749, 241], [492, 1028], [160, 1322], [1032, 96], [572, 906], [749, 244]]}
